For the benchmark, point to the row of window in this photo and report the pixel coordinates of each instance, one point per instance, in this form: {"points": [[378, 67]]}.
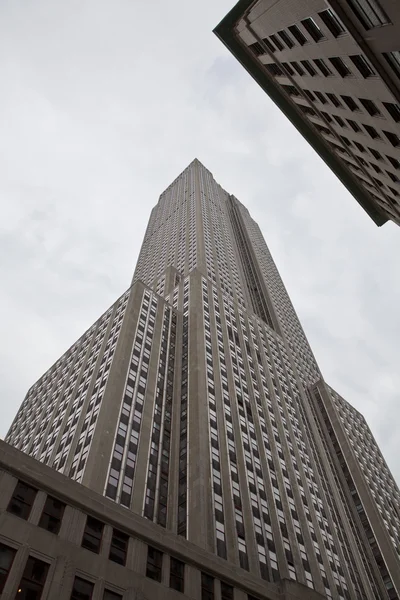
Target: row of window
{"points": [[34, 578]]}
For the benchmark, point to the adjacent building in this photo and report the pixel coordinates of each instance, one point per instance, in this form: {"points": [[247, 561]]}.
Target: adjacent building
{"points": [[333, 68], [195, 417]]}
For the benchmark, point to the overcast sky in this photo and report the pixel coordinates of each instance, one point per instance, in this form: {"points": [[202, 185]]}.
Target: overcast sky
{"points": [[103, 103]]}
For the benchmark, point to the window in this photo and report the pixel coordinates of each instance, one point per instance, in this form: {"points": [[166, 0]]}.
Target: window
{"points": [[6, 559], [393, 138], [332, 22], [325, 70], [207, 587], [375, 154], [177, 575], [288, 68], [52, 515], [109, 595], [297, 67], [393, 58], [372, 132], [22, 500], [312, 28], [291, 90], [362, 65], [394, 162], [393, 110], [256, 49], [339, 121], [327, 116], [298, 34], [92, 535], [355, 127], [321, 97], [277, 42], [350, 103], [334, 100], [369, 12], [82, 590], [306, 64], [274, 69], [119, 547], [33, 579], [360, 147], [269, 45], [226, 591], [309, 95], [340, 66], [154, 564], [370, 107], [286, 39]]}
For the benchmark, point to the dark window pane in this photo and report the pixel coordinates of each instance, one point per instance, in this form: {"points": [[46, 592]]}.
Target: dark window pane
{"points": [[22, 500], [332, 22], [207, 587], [351, 104], [33, 579], [154, 564], [298, 34], [370, 107], [393, 110], [119, 547], [310, 69], [286, 38], [6, 559], [393, 138], [52, 515], [277, 42], [226, 591], [323, 67], [82, 590], [92, 535], [108, 595], [334, 99], [313, 29], [340, 66], [362, 65], [177, 574]]}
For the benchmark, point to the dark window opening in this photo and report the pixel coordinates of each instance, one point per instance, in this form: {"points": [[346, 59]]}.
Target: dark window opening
{"points": [[298, 34], [154, 564], [207, 587], [370, 107], [393, 110], [393, 138], [350, 103], [177, 575], [321, 97], [52, 515], [297, 67], [277, 42], [372, 132], [334, 100], [22, 500], [82, 590], [226, 591], [362, 65], [92, 535], [322, 66], [312, 28], [310, 69], [256, 49], [6, 560], [340, 66], [109, 595], [332, 22], [286, 38], [33, 579], [119, 547]]}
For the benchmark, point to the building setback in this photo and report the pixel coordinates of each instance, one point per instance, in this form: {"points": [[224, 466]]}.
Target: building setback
{"points": [[195, 403], [333, 68]]}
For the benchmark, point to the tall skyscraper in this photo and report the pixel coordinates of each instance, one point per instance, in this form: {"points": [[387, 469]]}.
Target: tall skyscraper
{"points": [[196, 402], [333, 68]]}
